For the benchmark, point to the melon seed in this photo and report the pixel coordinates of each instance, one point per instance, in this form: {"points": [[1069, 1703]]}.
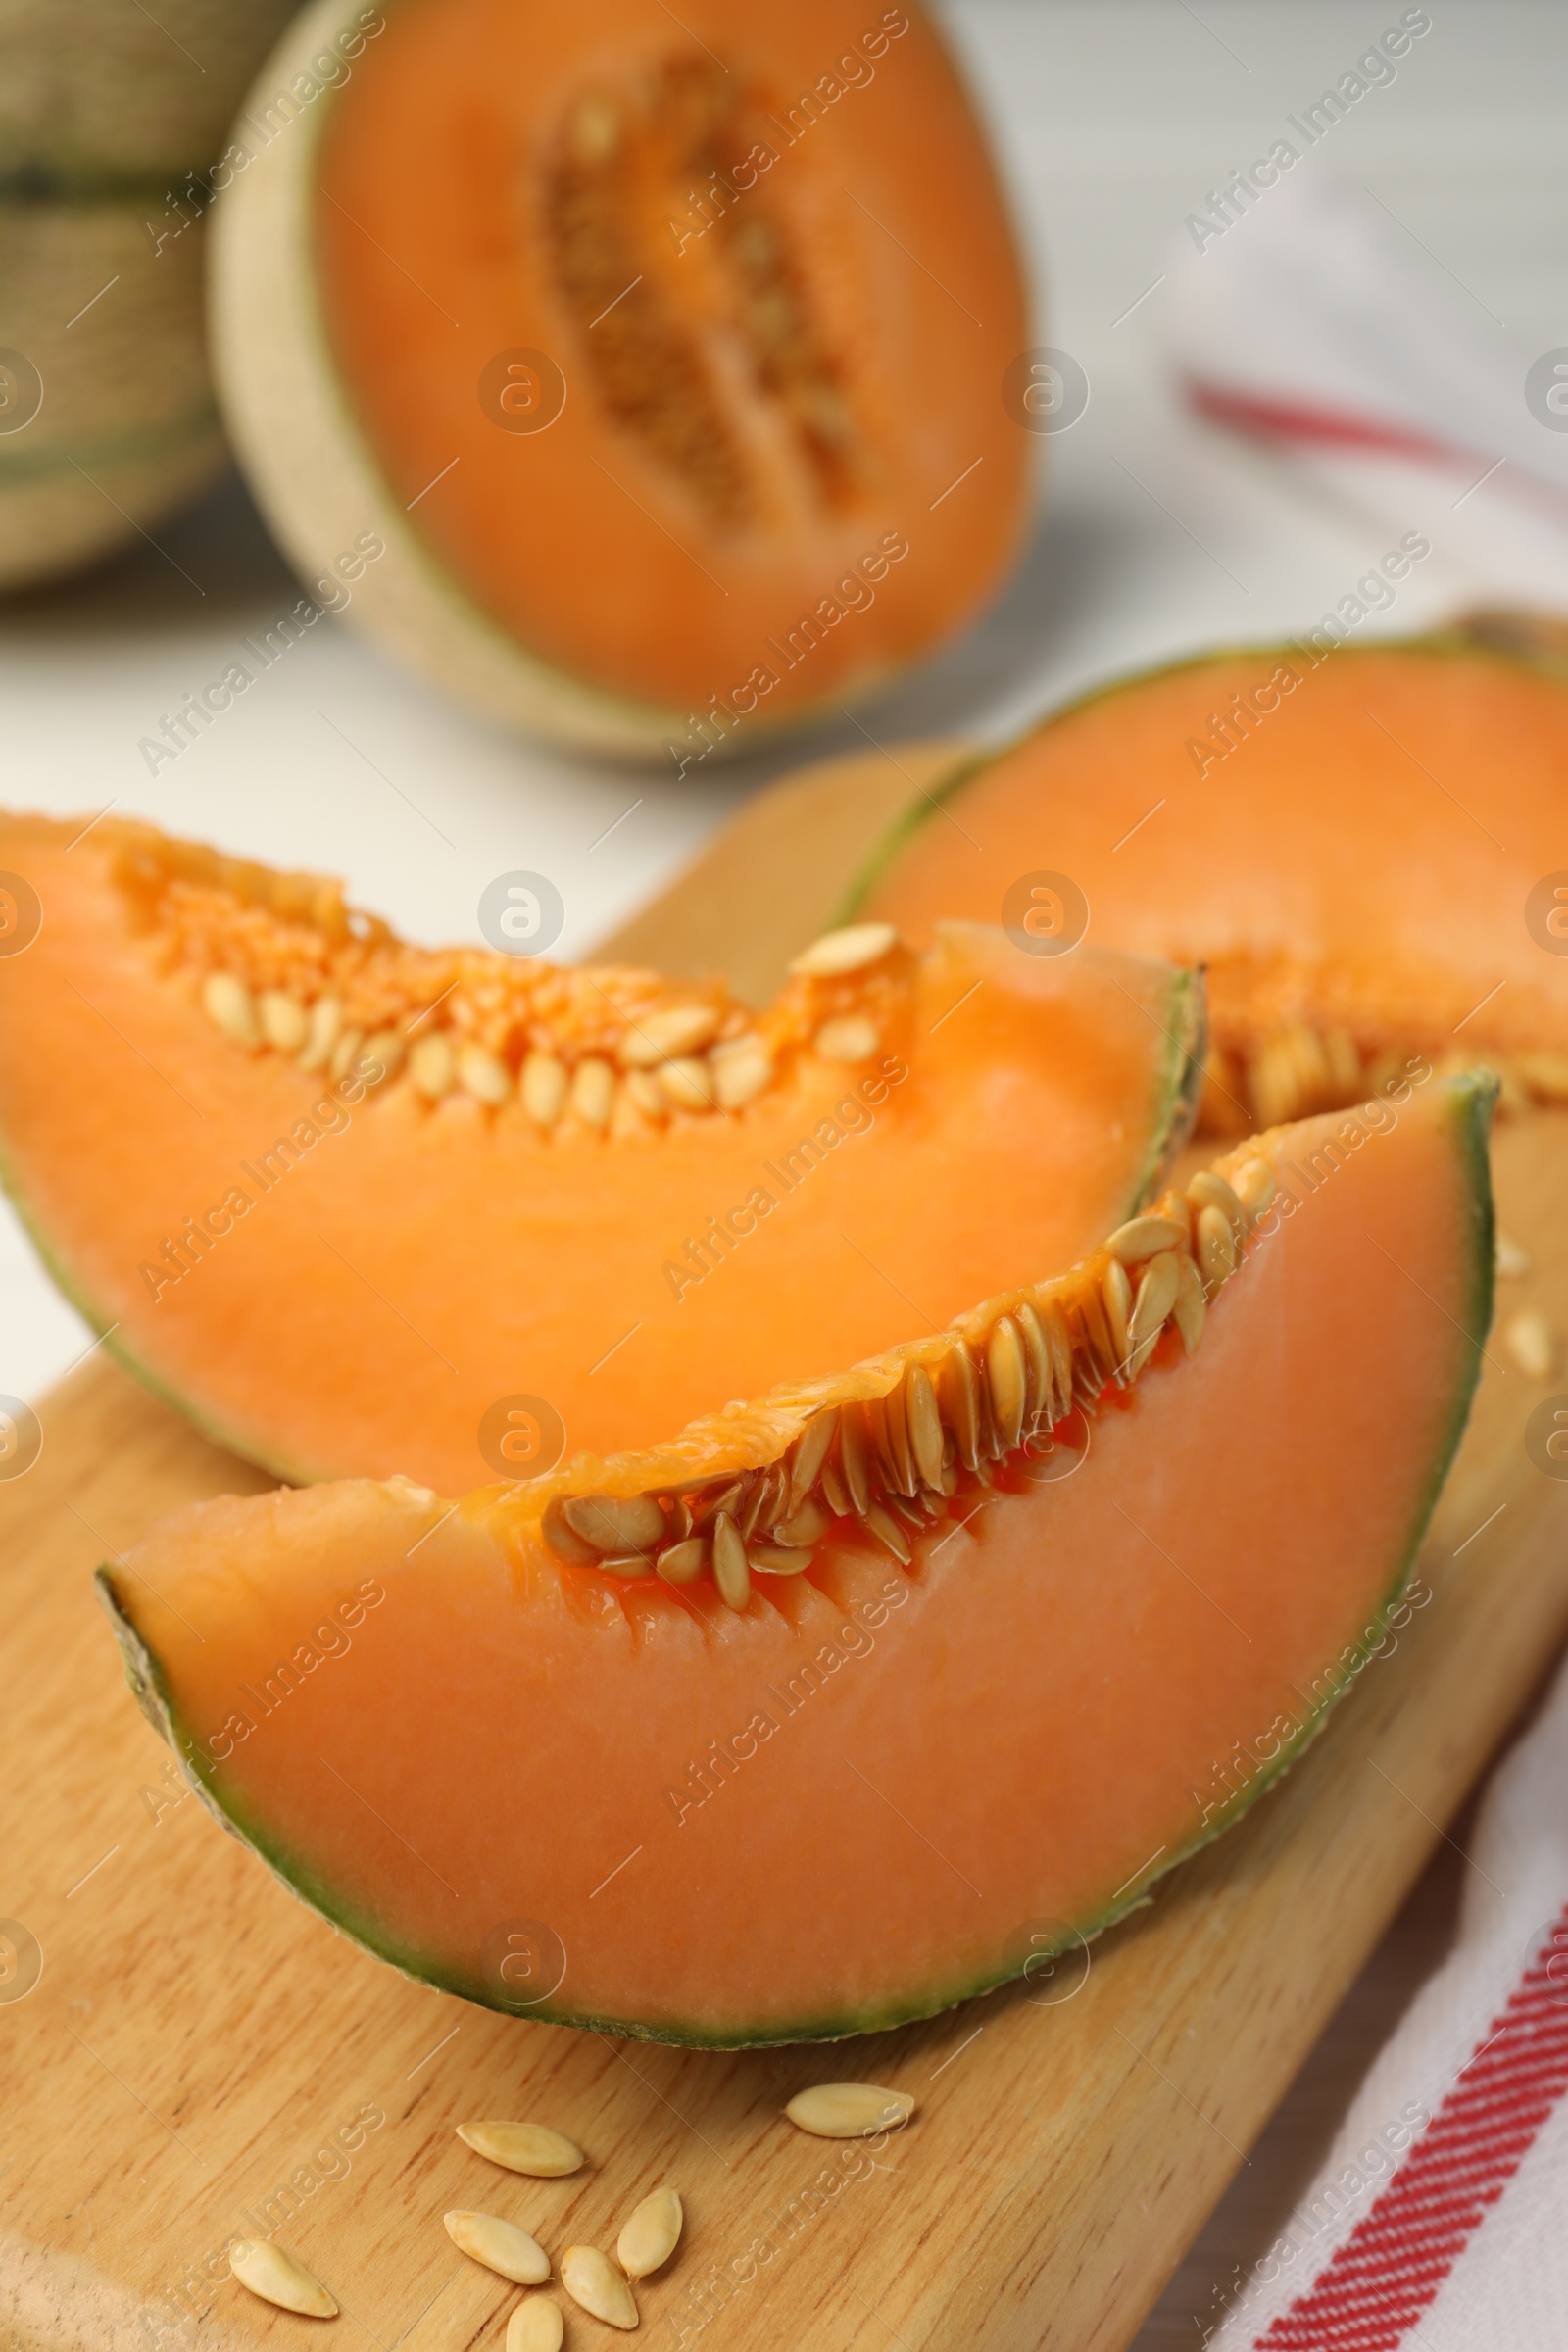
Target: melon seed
{"points": [[849, 1037], [1255, 1188], [1116, 1295], [545, 1084], [805, 1527], [228, 1002], [531, 2148], [644, 1092], [613, 1524], [387, 1049], [261, 2264], [887, 1531], [741, 1071], [808, 1453], [1156, 1296], [773, 1559], [592, 2280], [1216, 1245], [848, 951], [1008, 1382], [482, 1074], [1144, 1237], [684, 1563], [731, 1573], [958, 1387], [285, 1023], [674, 1029], [593, 1091], [536, 2325], [322, 1033], [924, 1424], [849, 2110], [1179, 1209], [688, 1081], [834, 1491], [855, 1458], [433, 1065], [1209, 1191], [1513, 1261], [1191, 1306], [502, 2246], [344, 1052], [1531, 1342], [650, 2238]]}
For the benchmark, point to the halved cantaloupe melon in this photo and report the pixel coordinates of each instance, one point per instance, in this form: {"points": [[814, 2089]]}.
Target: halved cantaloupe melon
{"points": [[622, 1198], [851, 1702], [663, 352], [1367, 847]]}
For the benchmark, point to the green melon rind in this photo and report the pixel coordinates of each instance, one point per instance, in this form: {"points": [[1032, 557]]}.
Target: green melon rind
{"points": [[1447, 645], [1472, 1098]]}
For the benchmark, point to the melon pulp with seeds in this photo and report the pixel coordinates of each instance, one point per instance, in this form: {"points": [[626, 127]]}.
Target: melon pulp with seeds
{"points": [[367, 1208], [1366, 848], [663, 349], [847, 1702]]}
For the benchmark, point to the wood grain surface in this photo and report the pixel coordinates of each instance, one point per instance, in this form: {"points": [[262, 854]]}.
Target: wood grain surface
{"points": [[200, 2057]]}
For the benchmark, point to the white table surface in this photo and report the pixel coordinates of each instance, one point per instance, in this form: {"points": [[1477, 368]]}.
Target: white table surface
{"points": [[1156, 536]]}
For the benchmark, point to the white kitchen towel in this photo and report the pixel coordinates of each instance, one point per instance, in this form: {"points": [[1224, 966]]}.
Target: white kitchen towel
{"points": [[1304, 316], [1439, 2221]]}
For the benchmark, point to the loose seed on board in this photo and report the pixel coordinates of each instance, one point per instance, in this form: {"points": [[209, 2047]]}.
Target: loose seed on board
{"points": [[285, 1023], [1216, 1245], [483, 1075], [592, 2280], [849, 1037], [593, 1091], [673, 1029], [652, 2234], [531, 2148], [229, 1002], [615, 1524], [731, 1573], [433, 1065], [502, 2246], [1513, 1262], [1531, 1341], [848, 951], [321, 1034], [261, 2264], [545, 1085], [535, 2325], [1141, 1238], [849, 2110]]}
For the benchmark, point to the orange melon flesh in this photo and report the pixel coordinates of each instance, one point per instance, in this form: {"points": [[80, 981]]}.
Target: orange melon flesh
{"points": [[876, 1789], [1361, 842], [400, 1268], [773, 370]]}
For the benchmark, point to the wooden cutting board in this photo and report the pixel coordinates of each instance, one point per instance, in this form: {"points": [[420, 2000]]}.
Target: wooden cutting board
{"points": [[201, 2057]]}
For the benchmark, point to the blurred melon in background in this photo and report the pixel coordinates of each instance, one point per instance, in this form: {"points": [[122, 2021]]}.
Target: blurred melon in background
{"points": [[111, 122]]}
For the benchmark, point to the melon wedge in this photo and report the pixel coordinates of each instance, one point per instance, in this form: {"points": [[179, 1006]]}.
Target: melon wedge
{"points": [[1366, 846], [663, 350], [847, 1703], [600, 1200]]}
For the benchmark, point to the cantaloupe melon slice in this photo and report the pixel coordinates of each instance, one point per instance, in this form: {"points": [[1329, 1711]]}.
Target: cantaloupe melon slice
{"points": [[845, 1703], [664, 351], [1366, 846], [623, 1198]]}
